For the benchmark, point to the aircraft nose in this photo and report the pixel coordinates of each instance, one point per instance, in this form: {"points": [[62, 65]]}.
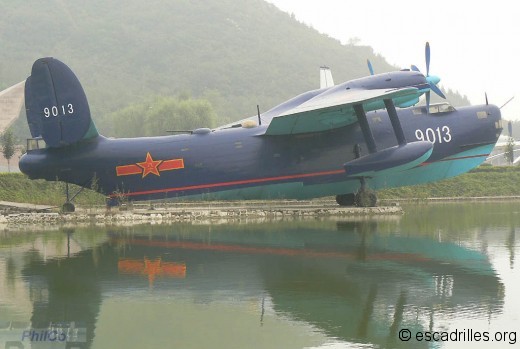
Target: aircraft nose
{"points": [[496, 115], [433, 79], [494, 112]]}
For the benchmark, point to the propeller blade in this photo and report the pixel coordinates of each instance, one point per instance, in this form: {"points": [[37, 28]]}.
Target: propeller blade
{"points": [[437, 90], [427, 55], [414, 68], [503, 105], [428, 102], [370, 68], [485, 94]]}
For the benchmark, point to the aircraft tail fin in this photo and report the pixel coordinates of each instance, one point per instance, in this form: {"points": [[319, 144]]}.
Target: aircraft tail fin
{"points": [[326, 77], [57, 107]]}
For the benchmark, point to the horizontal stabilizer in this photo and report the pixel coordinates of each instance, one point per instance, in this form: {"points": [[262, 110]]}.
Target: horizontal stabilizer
{"points": [[394, 159], [11, 101]]}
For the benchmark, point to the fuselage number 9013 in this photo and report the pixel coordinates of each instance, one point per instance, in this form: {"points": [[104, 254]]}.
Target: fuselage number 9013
{"points": [[434, 135], [59, 110]]}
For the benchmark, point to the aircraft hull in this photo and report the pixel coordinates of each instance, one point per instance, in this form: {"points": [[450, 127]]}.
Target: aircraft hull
{"points": [[243, 163]]}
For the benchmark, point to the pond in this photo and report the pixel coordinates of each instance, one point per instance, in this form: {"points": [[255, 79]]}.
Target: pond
{"points": [[440, 276]]}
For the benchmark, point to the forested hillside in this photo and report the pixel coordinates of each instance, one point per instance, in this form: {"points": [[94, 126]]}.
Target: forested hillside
{"points": [[232, 54]]}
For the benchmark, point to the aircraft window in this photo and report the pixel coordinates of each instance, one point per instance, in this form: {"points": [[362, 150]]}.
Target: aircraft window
{"points": [[434, 109], [377, 119], [444, 108], [32, 144], [35, 143], [185, 149], [238, 144], [482, 114]]}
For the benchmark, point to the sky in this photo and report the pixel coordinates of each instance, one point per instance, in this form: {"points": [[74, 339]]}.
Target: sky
{"points": [[475, 46]]}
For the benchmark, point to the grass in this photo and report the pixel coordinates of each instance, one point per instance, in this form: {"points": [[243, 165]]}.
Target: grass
{"points": [[483, 181], [17, 187]]}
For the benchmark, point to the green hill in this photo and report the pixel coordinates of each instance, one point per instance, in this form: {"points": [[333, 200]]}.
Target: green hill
{"points": [[235, 54]]}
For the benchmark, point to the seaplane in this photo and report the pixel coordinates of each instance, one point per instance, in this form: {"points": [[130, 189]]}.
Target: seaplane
{"points": [[345, 140]]}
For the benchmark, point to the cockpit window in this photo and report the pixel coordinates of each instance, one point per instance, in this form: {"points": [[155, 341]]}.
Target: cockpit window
{"points": [[444, 108], [434, 109]]}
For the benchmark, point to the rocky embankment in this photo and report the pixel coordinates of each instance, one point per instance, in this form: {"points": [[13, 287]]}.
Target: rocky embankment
{"points": [[165, 213]]}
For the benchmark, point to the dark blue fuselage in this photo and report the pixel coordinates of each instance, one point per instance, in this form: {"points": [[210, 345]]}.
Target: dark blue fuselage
{"points": [[243, 163]]}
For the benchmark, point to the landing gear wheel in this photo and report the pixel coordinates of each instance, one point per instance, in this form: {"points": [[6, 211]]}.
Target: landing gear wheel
{"points": [[346, 199], [366, 198], [68, 207]]}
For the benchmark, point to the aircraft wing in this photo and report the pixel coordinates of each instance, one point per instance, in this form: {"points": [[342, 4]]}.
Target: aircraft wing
{"points": [[332, 109]]}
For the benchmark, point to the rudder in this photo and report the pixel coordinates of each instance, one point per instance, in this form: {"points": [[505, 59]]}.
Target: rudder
{"points": [[57, 107]]}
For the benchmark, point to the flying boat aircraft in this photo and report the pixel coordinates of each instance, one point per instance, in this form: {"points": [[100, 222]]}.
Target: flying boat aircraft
{"points": [[336, 140]]}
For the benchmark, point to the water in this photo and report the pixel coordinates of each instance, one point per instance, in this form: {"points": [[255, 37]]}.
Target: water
{"points": [[440, 270]]}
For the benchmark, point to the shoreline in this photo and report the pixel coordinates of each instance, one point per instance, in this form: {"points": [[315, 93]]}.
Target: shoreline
{"points": [[455, 199], [212, 212], [28, 214]]}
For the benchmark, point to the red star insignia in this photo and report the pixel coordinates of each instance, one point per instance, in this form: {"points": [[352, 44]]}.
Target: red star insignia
{"points": [[150, 166], [152, 268]]}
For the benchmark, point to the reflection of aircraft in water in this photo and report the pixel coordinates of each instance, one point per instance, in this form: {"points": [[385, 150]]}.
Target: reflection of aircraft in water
{"points": [[346, 280]]}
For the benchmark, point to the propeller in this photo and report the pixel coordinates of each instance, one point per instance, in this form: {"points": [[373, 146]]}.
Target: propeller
{"points": [[431, 79], [509, 100], [370, 68], [503, 105]]}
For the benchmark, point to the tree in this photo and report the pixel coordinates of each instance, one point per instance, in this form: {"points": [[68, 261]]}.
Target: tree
{"points": [[8, 147], [159, 114], [509, 150]]}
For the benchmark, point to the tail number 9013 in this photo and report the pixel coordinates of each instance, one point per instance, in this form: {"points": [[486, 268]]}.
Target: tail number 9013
{"points": [[434, 135], [57, 110]]}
